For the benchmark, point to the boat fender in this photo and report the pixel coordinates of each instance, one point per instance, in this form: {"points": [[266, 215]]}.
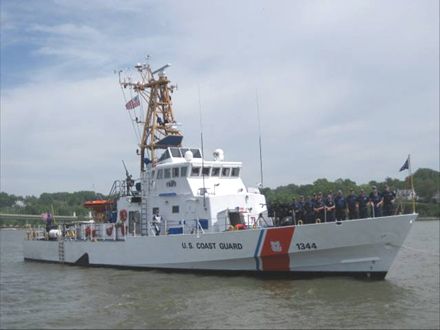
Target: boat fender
{"points": [[318, 220], [300, 222], [123, 215]]}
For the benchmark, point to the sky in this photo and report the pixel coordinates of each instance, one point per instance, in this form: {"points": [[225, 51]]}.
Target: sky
{"points": [[344, 89]]}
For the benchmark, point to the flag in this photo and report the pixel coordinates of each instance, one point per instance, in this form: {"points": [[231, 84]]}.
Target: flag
{"points": [[405, 166], [133, 103]]}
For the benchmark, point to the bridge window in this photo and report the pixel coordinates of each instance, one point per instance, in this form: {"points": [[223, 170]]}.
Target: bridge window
{"points": [[183, 171], [195, 171], [175, 152], [196, 153], [205, 171], [167, 173], [164, 156], [175, 172], [175, 209], [225, 171], [235, 171], [215, 171]]}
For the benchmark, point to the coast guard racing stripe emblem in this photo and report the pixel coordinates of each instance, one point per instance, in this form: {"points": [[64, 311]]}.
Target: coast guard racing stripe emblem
{"points": [[273, 253]]}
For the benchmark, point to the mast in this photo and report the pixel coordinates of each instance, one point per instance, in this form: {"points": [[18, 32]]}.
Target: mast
{"points": [[159, 127]]}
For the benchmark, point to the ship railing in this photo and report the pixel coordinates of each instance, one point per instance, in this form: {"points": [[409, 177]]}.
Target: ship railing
{"points": [[36, 233], [97, 232], [184, 226]]}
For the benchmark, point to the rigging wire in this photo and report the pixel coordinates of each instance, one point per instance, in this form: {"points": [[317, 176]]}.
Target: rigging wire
{"points": [[131, 119], [203, 154], [134, 110], [259, 140], [136, 132]]}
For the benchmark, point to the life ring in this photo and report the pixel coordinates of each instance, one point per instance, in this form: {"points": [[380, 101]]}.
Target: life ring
{"points": [[90, 232], [109, 231], [318, 220], [300, 222], [123, 215]]}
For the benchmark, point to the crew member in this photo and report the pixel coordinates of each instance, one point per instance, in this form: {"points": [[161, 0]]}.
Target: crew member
{"points": [[353, 206], [157, 219], [309, 216], [388, 201], [319, 208], [341, 206], [48, 222], [330, 208], [363, 204], [376, 202], [295, 209], [301, 204]]}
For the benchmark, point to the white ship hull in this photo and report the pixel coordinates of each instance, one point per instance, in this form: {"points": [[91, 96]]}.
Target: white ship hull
{"points": [[365, 246]]}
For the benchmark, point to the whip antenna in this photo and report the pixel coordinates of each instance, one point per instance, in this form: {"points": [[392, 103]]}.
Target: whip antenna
{"points": [[203, 154], [259, 140]]}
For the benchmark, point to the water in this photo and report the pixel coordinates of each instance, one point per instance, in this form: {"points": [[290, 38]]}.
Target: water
{"points": [[37, 295]]}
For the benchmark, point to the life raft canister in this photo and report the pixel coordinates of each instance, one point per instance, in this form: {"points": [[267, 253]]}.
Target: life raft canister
{"points": [[123, 215]]}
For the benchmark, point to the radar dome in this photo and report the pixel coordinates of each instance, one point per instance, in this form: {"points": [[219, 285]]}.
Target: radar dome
{"points": [[189, 155], [219, 154]]}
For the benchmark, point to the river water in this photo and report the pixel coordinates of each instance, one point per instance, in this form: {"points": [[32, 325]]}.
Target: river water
{"points": [[37, 295]]}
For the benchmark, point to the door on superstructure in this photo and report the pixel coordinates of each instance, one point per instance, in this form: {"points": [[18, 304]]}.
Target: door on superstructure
{"points": [[134, 222]]}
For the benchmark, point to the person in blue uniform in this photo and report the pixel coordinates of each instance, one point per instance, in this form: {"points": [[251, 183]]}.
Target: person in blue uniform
{"points": [[363, 204], [376, 202], [341, 206], [319, 208], [295, 208], [309, 214], [353, 207], [49, 221], [388, 201], [300, 212], [330, 208]]}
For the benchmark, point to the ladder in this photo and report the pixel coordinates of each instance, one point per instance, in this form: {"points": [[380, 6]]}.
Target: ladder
{"points": [[144, 213], [61, 249]]}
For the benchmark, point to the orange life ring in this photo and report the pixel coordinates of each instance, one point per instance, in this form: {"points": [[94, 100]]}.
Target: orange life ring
{"points": [[123, 215]]}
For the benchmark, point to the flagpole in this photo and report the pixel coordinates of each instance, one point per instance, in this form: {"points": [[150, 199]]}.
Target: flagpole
{"points": [[412, 184]]}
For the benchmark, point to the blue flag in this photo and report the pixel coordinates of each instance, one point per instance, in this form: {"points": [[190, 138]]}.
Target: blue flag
{"points": [[405, 166]]}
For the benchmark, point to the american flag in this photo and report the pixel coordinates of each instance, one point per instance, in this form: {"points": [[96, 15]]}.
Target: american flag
{"points": [[133, 103]]}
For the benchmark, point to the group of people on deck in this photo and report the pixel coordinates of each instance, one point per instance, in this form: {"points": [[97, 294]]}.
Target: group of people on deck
{"points": [[319, 208]]}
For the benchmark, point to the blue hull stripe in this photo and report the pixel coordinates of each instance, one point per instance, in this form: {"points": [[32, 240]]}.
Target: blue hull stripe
{"points": [[257, 259]]}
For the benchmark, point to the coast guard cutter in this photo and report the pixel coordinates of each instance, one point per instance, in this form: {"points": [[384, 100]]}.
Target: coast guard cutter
{"points": [[188, 212]]}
